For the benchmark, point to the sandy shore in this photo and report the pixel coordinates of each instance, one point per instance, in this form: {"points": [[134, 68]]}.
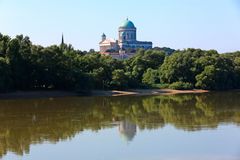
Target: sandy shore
{"points": [[55, 94], [144, 92]]}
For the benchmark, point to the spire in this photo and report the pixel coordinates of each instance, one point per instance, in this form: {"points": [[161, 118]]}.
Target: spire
{"points": [[62, 43], [62, 39]]}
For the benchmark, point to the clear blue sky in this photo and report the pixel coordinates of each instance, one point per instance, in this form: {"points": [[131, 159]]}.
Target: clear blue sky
{"points": [[206, 24]]}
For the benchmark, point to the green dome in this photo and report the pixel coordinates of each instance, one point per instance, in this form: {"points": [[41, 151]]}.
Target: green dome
{"points": [[127, 24]]}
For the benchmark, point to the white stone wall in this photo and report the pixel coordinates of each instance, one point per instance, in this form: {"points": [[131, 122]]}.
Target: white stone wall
{"points": [[127, 34]]}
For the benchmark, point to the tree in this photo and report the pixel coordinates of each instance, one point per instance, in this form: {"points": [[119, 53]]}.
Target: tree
{"points": [[142, 61], [237, 72], [217, 76], [4, 40], [5, 77], [184, 66], [119, 79], [16, 63], [151, 77], [207, 79], [98, 76]]}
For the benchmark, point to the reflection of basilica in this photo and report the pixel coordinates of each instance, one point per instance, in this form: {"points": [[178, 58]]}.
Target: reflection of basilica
{"points": [[127, 130]]}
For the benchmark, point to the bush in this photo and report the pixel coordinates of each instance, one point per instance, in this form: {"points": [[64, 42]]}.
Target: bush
{"points": [[160, 86], [181, 86]]}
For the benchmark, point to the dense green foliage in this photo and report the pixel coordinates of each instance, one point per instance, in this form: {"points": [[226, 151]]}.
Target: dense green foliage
{"points": [[25, 66], [202, 69], [181, 86]]}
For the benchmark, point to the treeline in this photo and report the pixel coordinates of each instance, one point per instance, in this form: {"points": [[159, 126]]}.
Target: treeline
{"points": [[24, 66]]}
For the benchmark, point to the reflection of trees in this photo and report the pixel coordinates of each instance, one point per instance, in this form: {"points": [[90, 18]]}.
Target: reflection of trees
{"points": [[34, 121], [27, 122], [191, 113]]}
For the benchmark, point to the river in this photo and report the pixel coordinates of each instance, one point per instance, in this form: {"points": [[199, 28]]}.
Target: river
{"points": [[171, 127]]}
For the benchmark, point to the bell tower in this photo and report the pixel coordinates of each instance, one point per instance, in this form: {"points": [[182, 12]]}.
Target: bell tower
{"points": [[104, 37]]}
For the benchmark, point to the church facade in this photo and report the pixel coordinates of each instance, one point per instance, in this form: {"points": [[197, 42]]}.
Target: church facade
{"points": [[127, 43]]}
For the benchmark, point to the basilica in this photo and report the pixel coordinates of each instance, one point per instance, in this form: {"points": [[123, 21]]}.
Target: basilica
{"points": [[127, 43]]}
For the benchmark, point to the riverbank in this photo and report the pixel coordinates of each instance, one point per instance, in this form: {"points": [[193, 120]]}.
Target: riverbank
{"points": [[145, 92], [56, 94]]}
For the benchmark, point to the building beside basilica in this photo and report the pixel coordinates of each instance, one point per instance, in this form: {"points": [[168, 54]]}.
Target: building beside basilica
{"points": [[127, 43]]}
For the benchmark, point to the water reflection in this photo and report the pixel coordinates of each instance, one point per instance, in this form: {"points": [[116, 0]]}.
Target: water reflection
{"points": [[26, 122], [127, 130]]}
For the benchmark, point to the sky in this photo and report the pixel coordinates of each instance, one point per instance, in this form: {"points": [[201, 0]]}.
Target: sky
{"points": [[178, 24]]}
